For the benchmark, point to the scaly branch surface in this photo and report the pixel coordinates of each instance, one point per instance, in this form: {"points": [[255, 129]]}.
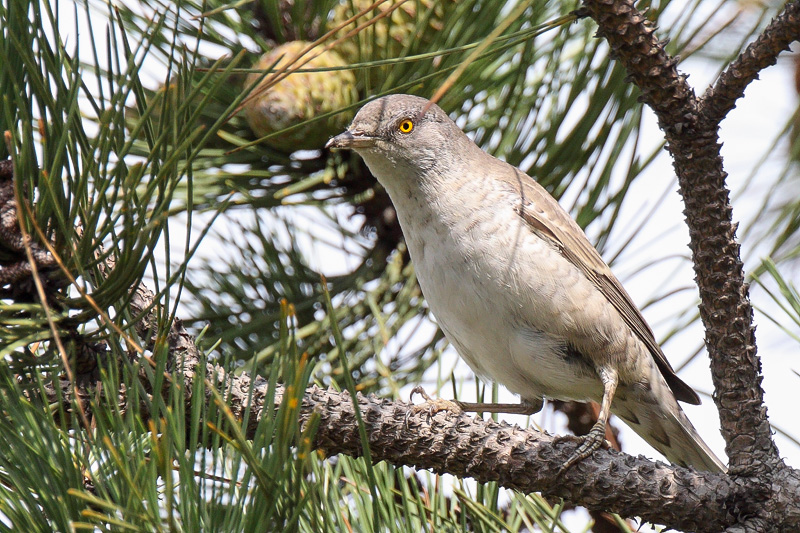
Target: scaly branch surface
{"points": [[692, 140], [782, 31]]}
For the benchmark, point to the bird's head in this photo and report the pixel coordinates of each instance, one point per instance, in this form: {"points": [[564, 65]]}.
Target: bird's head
{"points": [[400, 131]]}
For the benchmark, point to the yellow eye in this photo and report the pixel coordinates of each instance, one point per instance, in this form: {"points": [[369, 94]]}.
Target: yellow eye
{"points": [[406, 126]]}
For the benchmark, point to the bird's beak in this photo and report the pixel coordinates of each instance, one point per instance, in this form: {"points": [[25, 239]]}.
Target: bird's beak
{"points": [[350, 140]]}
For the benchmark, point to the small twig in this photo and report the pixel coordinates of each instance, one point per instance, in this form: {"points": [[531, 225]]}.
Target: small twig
{"points": [[760, 54]]}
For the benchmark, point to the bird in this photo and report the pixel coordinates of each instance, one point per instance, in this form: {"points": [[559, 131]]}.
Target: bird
{"points": [[514, 283]]}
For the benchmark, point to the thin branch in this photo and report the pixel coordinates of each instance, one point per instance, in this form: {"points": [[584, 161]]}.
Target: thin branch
{"points": [[760, 54]]}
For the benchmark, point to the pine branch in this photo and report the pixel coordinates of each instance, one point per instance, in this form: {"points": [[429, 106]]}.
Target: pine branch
{"points": [[762, 53], [523, 460], [12, 244], [694, 145]]}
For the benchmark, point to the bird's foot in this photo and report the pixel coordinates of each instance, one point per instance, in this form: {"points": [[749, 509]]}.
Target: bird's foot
{"points": [[589, 443], [431, 406], [525, 407]]}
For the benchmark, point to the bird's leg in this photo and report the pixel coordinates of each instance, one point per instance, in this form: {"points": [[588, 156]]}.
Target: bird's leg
{"points": [[597, 436], [433, 406], [524, 407]]}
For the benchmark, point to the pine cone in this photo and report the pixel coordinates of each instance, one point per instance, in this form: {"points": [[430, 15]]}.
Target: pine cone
{"points": [[299, 97]]}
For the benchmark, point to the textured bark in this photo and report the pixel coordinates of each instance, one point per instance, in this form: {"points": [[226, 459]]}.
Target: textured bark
{"points": [[581, 417], [762, 53], [525, 460], [691, 128], [14, 266]]}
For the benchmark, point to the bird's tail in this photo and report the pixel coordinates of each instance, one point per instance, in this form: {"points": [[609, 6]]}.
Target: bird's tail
{"points": [[653, 412]]}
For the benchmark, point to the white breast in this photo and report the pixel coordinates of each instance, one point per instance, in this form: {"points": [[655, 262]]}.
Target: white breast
{"points": [[495, 289]]}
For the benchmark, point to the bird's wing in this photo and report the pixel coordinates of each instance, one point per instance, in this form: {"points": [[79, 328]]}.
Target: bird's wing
{"points": [[556, 226]]}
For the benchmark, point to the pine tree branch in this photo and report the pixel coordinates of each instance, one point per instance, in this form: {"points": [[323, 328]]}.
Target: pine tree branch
{"points": [[693, 142], [525, 460], [633, 42], [15, 267], [783, 30]]}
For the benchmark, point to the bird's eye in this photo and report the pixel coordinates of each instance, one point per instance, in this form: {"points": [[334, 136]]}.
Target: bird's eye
{"points": [[405, 126]]}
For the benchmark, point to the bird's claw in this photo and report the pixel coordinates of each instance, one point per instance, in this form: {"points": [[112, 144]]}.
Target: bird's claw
{"points": [[419, 390], [430, 406], [589, 443]]}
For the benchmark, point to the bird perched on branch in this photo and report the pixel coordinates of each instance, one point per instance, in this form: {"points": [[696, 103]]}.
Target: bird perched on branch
{"points": [[515, 284]]}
